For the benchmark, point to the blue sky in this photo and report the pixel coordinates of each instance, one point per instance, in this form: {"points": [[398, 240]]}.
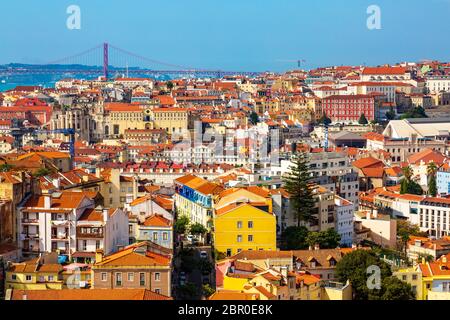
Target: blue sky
{"points": [[236, 35]]}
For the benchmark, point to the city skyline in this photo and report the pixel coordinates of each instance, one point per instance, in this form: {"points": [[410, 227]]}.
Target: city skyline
{"points": [[231, 36]]}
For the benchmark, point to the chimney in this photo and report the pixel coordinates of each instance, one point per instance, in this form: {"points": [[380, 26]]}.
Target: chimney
{"points": [[85, 178], [444, 259], [56, 183], [98, 256], [316, 246], [310, 248], [47, 201], [375, 213], [105, 214]]}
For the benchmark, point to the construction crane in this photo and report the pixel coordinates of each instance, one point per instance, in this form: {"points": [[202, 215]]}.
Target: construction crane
{"points": [[67, 132], [299, 61]]}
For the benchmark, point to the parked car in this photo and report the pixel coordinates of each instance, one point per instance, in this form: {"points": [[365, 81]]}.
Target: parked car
{"points": [[203, 255]]}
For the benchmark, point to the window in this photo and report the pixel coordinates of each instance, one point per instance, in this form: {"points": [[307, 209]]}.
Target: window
{"points": [[228, 252], [158, 291], [239, 224], [97, 244], [157, 276], [130, 276], [414, 276], [155, 236], [103, 276], [28, 277], [50, 278], [142, 279], [84, 245], [239, 238], [250, 224], [250, 238], [119, 279]]}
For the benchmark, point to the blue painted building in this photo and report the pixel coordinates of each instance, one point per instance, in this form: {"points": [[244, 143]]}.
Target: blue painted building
{"points": [[443, 182]]}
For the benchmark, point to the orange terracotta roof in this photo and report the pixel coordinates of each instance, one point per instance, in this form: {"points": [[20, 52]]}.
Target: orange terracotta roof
{"points": [[88, 294], [157, 220]]}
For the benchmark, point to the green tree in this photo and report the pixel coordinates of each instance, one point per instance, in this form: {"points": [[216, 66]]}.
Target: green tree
{"points": [[297, 184], [181, 225], [395, 289], [354, 267], [328, 239], [219, 255], [407, 172], [170, 85], [198, 229], [408, 185], [207, 290], [204, 266], [188, 291], [431, 171], [414, 188], [254, 118], [390, 115], [324, 120], [405, 230], [363, 119], [294, 238], [5, 167], [41, 172], [415, 112], [404, 186]]}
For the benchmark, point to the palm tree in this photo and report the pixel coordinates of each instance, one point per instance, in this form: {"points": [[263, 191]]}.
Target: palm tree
{"points": [[407, 172], [431, 171]]}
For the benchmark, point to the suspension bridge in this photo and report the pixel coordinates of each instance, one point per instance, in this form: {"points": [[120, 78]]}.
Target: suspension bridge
{"points": [[110, 61]]}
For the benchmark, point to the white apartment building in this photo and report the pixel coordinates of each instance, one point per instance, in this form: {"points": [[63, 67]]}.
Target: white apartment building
{"points": [[434, 216], [438, 83], [66, 222], [344, 220]]}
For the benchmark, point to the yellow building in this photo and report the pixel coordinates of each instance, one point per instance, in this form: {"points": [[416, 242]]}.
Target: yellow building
{"points": [[413, 276], [36, 274], [123, 116], [173, 120], [435, 279], [243, 226]]}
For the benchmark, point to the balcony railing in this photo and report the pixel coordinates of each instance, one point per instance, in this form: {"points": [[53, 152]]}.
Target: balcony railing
{"points": [[60, 237], [30, 235], [30, 221], [89, 235]]}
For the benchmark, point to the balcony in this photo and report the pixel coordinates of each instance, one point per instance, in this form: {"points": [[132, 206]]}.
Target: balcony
{"points": [[30, 221], [92, 235], [30, 236], [60, 237]]}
